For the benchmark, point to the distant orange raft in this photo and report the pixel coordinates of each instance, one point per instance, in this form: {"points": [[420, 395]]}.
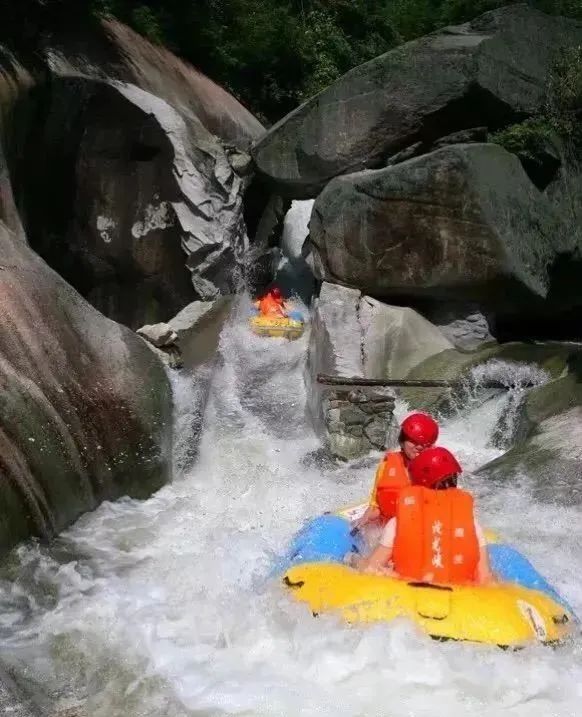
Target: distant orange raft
{"points": [[277, 327]]}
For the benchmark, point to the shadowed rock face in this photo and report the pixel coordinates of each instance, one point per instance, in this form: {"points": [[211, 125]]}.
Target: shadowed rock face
{"points": [[85, 406], [463, 222], [105, 222], [143, 213], [485, 73], [137, 201]]}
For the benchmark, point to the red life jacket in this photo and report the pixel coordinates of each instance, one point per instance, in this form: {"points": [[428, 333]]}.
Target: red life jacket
{"points": [[269, 306], [436, 540], [391, 478]]}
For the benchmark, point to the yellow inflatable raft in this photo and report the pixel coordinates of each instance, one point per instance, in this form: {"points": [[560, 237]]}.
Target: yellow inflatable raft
{"points": [[276, 327], [522, 607], [501, 614]]}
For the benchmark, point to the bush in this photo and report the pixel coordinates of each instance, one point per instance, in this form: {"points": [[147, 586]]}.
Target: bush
{"points": [[564, 98], [528, 138], [560, 117], [272, 54], [148, 24]]}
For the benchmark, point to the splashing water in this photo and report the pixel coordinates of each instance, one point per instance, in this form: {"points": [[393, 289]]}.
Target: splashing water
{"points": [[512, 374], [163, 607], [516, 377]]}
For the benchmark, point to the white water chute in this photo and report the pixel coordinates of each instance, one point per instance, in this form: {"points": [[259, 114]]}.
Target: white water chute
{"points": [[162, 607]]}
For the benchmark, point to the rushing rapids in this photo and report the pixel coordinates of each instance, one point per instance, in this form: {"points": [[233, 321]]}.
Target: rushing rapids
{"points": [[166, 607]]}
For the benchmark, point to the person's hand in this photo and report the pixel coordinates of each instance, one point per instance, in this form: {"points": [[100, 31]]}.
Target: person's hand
{"points": [[354, 561], [384, 571], [371, 514]]}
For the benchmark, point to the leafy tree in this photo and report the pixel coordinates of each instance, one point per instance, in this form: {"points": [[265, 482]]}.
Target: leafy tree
{"points": [[271, 54]]}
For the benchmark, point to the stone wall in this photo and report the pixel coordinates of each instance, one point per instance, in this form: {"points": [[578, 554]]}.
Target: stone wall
{"points": [[357, 417]]}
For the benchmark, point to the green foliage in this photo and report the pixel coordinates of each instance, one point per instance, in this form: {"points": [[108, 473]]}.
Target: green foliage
{"points": [[527, 138], [560, 115], [273, 54], [147, 23], [336, 37], [255, 51], [413, 18], [567, 8], [463, 10], [564, 97]]}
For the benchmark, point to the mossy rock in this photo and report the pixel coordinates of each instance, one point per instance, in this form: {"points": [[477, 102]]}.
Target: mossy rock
{"points": [[550, 448], [452, 365]]}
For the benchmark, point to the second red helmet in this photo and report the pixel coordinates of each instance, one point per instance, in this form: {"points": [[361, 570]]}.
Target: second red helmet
{"points": [[420, 428], [276, 293], [432, 466]]}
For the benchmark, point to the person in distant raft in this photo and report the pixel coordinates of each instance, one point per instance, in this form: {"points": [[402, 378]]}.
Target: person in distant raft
{"points": [[272, 304], [417, 432], [434, 536]]}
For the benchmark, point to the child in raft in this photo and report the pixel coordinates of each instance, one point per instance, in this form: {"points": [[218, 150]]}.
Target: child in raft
{"points": [[272, 304], [417, 432], [434, 536]]}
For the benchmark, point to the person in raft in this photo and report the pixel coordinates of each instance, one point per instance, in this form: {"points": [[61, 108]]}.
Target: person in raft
{"points": [[272, 304], [434, 536], [417, 432]]}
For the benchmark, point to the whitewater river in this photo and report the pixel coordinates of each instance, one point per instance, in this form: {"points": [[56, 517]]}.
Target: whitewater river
{"points": [[164, 608]]}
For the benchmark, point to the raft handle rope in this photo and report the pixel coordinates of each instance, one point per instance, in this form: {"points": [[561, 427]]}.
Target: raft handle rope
{"points": [[291, 584], [431, 586]]}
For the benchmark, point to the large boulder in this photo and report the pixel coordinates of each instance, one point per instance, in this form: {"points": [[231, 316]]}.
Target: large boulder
{"points": [[488, 72], [190, 339], [198, 327], [465, 326], [463, 223], [137, 202], [396, 339], [335, 341], [85, 406]]}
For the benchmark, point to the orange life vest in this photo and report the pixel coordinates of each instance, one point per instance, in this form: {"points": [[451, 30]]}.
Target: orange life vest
{"points": [[436, 540], [269, 306], [391, 477]]}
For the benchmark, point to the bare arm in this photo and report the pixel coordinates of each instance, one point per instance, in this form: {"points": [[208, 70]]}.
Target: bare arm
{"points": [[372, 513], [484, 574]]}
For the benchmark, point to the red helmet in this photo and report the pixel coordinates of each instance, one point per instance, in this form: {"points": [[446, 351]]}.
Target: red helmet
{"points": [[432, 466], [276, 293], [420, 428]]}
